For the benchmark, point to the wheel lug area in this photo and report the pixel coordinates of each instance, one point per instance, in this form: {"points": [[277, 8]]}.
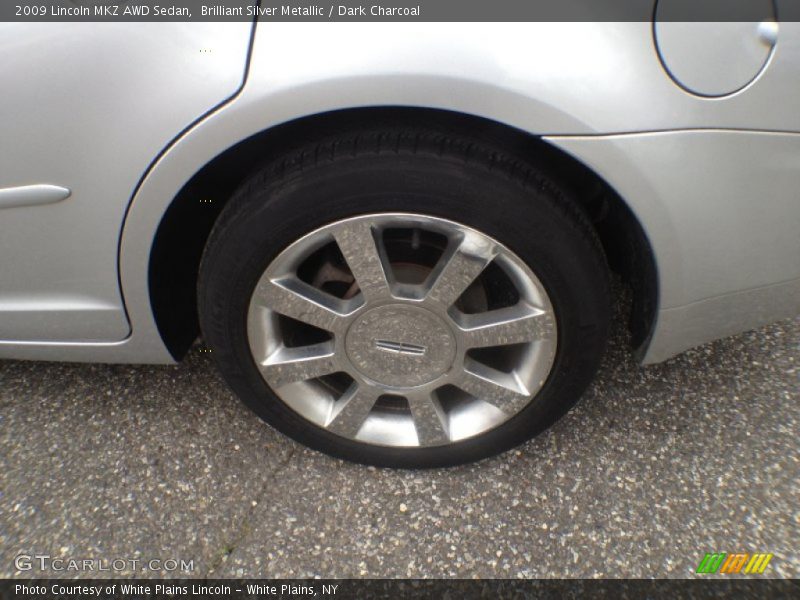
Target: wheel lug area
{"points": [[400, 345]]}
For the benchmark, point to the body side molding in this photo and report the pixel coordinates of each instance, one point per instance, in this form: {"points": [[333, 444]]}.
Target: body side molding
{"points": [[33, 195]]}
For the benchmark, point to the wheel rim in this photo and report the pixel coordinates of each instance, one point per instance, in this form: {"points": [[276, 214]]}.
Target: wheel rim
{"points": [[402, 330]]}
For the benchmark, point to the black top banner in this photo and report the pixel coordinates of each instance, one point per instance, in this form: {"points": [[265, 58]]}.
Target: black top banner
{"points": [[397, 10]]}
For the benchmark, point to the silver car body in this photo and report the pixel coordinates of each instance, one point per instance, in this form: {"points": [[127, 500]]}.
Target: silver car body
{"points": [[123, 115]]}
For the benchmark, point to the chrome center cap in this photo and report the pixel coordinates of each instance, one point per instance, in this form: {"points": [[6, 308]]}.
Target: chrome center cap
{"points": [[400, 346]]}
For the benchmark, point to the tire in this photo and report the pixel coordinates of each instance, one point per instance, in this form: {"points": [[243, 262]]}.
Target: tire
{"points": [[451, 181]]}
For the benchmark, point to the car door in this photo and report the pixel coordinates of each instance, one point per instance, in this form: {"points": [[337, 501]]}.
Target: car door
{"points": [[86, 109]]}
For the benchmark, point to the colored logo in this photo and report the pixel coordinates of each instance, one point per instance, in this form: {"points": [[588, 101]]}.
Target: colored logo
{"points": [[722, 562]]}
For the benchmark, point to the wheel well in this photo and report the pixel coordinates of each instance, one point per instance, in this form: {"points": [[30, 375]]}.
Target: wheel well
{"points": [[187, 223]]}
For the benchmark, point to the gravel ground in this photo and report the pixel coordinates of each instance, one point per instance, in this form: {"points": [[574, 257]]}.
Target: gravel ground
{"points": [[655, 467]]}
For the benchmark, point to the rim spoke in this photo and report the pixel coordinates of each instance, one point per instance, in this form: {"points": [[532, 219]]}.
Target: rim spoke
{"points": [[289, 365], [429, 419], [459, 267], [298, 300], [360, 250], [352, 409], [512, 325], [499, 389]]}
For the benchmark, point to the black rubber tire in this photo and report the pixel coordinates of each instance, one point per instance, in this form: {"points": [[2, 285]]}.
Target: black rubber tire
{"points": [[403, 169]]}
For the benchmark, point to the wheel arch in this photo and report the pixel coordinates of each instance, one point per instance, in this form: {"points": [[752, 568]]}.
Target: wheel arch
{"points": [[182, 230]]}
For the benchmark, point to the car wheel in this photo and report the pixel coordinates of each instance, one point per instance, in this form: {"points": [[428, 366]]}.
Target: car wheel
{"points": [[405, 298]]}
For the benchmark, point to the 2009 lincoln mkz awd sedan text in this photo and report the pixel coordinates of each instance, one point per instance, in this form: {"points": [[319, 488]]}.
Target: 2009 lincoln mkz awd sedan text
{"points": [[396, 238]]}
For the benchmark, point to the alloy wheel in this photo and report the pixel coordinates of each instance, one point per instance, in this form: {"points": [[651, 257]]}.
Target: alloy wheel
{"points": [[402, 330]]}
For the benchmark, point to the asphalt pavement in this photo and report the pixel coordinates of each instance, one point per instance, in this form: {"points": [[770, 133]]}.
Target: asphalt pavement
{"points": [[655, 467]]}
